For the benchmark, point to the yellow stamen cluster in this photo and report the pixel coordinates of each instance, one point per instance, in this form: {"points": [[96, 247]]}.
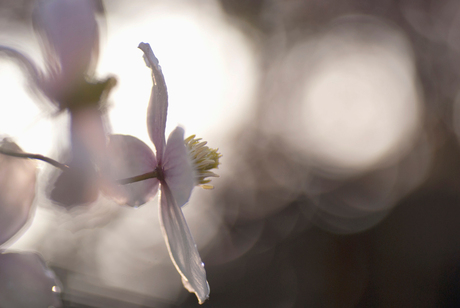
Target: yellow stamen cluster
{"points": [[203, 160]]}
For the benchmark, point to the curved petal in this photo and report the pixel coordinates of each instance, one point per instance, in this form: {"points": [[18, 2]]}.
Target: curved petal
{"points": [[17, 191], [177, 167], [127, 157], [182, 249], [158, 105], [25, 281]]}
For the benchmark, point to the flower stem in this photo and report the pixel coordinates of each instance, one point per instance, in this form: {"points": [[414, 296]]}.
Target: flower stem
{"points": [[34, 156], [138, 178], [63, 167]]}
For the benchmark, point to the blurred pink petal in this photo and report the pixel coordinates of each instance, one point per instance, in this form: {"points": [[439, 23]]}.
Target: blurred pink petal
{"points": [[76, 186], [80, 184], [26, 282], [17, 191], [128, 157], [158, 106], [177, 168], [88, 134], [71, 40], [181, 246]]}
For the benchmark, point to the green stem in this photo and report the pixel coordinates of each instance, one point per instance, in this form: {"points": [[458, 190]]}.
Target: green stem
{"points": [[34, 156], [138, 178], [134, 179]]}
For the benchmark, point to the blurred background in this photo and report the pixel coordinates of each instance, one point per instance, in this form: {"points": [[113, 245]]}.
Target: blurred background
{"points": [[339, 125]]}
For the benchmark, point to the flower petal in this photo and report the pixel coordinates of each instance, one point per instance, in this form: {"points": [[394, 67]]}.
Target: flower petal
{"points": [[80, 184], [25, 281], [71, 36], [182, 249], [17, 191], [158, 105], [76, 186], [177, 167], [127, 157]]}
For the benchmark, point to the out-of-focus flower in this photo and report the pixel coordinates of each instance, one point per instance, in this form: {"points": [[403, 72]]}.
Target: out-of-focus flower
{"points": [[26, 281], [70, 43], [176, 168], [17, 191], [70, 40], [71, 37]]}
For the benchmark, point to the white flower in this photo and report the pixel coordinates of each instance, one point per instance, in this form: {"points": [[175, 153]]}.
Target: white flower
{"points": [[176, 168]]}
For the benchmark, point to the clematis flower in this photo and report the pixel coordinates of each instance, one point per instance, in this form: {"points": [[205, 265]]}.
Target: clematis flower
{"points": [[175, 168]]}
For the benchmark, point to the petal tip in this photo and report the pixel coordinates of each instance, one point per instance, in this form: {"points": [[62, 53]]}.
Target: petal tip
{"points": [[202, 295], [149, 57]]}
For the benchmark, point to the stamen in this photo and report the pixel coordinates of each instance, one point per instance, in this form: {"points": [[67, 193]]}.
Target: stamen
{"points": [[203, 159]]}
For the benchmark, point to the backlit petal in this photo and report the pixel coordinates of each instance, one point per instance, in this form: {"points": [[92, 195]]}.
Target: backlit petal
{"points": [[17, 191], [80, 184], [25, 282], [127, 157], [181, 247], [158, 105], [76, 186], [177, 167], [71, 38]]}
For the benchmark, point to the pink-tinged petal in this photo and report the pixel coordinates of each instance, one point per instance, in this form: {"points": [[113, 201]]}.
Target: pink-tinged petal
{"points": [[88, 134], [76, 186], [128, 157], [158, 105], [182, 249], [17, 191], [80, 184], [71, 39], [177, 168], [26, 281]]}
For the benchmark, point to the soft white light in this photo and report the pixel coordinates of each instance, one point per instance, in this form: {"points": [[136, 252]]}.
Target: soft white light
{"points": [[208, 65], [21, 117], [359, 102]]}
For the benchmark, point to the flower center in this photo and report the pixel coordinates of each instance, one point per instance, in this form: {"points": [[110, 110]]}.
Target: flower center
{"points": [[160, 173], [203, 160]]}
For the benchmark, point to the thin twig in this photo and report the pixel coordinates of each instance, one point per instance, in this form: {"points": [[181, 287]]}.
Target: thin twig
{"points": [[34, 156], [134, 179]]}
